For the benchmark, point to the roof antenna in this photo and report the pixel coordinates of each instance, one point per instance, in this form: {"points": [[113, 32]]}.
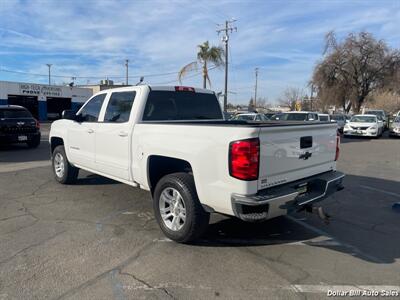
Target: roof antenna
{"points": [[140, 81]]}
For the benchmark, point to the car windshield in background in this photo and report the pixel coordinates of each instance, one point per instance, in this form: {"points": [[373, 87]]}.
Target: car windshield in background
{"points": [[323, 118], [293, 117], [397, 120], [337, 118], [14, 113], [363, 119], [245, 117], [376, 113], [169, 105]]}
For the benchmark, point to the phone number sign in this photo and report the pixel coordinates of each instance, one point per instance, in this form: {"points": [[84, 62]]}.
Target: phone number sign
{"points": [[37, 89]]}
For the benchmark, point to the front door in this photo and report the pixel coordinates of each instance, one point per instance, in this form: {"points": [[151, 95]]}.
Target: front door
{"points": [[82, 134], [113, 136]]}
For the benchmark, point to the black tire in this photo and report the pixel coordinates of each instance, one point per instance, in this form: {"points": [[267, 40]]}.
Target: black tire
{"points": [[196, 217], [34, 143], [70, 172]]}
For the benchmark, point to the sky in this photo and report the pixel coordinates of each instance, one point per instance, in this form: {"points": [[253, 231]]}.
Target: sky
{"points": [[90, 40]]}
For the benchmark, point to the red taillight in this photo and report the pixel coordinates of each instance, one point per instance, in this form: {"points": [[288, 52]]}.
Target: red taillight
{"points": [[337, 146], [184, 89], [37, 124], [244, 159]]}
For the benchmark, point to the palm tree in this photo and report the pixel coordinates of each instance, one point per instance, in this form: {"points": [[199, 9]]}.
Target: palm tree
{"points": [[205, 55]]}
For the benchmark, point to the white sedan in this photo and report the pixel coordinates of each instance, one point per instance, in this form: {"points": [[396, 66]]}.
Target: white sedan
{"points": [[363, 125]]}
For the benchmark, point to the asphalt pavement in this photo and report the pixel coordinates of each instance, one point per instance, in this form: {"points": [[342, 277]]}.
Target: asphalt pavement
{"points": [[98, 239]]}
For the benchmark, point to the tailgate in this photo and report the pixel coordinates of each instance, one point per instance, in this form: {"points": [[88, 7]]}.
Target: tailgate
{"points": [[293, 152]]}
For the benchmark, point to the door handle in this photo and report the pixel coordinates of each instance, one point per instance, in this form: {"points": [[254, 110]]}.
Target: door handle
{"points": [[123, 133], [90, 130]]}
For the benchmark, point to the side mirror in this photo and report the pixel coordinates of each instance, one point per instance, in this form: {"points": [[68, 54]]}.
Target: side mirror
{"points": [[333, 121], [347, 121], [69, 114]]}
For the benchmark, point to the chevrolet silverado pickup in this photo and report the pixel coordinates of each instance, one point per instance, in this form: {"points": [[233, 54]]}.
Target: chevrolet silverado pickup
{"points": [[175, 143]]}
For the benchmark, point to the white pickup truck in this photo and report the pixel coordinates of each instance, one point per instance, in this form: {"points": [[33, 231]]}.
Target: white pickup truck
{"points": [[174, 142]]}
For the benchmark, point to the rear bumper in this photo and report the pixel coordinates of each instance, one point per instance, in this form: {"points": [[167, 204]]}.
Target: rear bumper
{"points": [[14, 137], [281, 200], [361, 133]]}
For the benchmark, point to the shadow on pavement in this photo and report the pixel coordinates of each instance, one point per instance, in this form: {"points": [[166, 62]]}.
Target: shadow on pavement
{"points": [[16, 153], [363, 224]]}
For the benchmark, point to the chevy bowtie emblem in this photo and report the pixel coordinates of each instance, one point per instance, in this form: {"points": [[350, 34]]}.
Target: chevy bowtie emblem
{"points": [[20, 123], [305, 156]]}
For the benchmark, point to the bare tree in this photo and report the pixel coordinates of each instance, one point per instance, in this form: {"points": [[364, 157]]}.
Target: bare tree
{"points": [[353, 69], [289, 97]]}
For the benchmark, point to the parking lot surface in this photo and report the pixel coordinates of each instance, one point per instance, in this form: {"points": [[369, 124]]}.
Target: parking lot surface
{"points": [[98, 239]]}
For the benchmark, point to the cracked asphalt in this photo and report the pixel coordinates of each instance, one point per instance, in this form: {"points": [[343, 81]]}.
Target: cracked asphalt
{"points": [[98, 239]]}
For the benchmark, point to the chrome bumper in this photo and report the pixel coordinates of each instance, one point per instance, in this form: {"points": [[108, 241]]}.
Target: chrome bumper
{"points": [[283, 199]]}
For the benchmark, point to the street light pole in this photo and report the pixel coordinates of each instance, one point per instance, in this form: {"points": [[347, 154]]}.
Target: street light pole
{"points": [[49, 66]]}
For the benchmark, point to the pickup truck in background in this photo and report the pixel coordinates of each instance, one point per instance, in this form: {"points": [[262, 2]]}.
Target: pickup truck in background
{"points": [[175, 143]]}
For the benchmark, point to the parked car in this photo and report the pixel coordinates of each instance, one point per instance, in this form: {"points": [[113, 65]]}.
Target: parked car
{"points": [[340, 120], [251, 117], [228, 115], [381, 116], [364, 125], [324, 117], [269, 115], [304, 116], [17, 125], [394, 129], [174, 142]]}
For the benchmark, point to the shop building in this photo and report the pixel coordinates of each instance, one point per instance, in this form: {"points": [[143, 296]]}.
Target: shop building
{"points": [[45, 102]]}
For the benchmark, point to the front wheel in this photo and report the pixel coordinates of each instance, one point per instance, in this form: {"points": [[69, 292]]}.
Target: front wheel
{"points": [[177, 208], [64, 172]]}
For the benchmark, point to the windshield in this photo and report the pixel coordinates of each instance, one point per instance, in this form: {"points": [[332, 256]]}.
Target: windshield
{"points": [[397, 120], [171, 105], [245, 117], [323, 118], [14, 113], [363, 119], [376, 112], [337, 118], [294, 117]]}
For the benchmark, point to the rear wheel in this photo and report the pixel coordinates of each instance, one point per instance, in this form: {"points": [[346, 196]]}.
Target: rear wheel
{"points": [[177, 208], [34, 143], [64, 172]]}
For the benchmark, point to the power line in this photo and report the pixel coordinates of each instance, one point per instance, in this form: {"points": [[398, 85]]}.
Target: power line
{"points": [[85, 77], [191, 76]]}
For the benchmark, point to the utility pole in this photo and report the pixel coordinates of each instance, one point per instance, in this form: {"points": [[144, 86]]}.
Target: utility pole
{"points": [[228, 29], [126, 65], [49, 66], [255, 89], [311, 95]]}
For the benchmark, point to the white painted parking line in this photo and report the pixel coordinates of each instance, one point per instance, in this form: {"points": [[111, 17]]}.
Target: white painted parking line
{"points": [[380, 190], [354, 250]]}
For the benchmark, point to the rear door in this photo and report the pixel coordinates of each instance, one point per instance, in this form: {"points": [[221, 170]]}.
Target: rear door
{"points": [[113, 136], [81, 135], [294, 152]]}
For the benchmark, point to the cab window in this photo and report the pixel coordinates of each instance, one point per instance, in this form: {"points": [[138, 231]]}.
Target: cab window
{"points": [[119, 107], [90, 112]]}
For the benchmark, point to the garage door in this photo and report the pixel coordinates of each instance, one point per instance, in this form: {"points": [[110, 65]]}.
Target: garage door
{"points": [[56, 105]]}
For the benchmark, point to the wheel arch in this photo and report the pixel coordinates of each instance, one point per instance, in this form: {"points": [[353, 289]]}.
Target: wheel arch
{"points": [[158, 166], [54, 142]]}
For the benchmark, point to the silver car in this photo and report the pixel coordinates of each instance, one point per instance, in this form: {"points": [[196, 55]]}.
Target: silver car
{"points": [[395, 127], [340, 120]]}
